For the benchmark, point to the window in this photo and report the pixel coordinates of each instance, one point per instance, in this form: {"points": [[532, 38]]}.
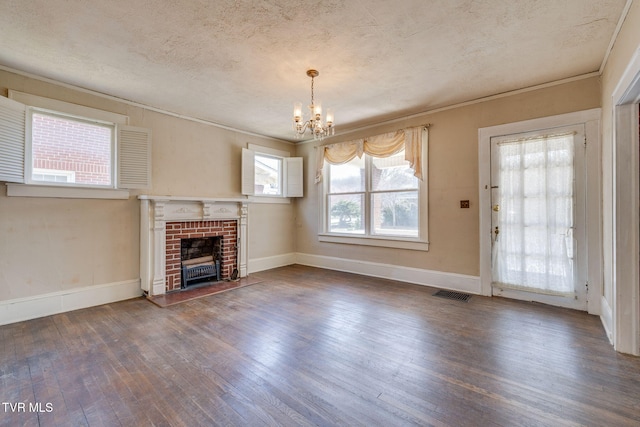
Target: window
{"points": [[270, 173], [371, 196], [69, 150], [374, 190], [55, 144]]}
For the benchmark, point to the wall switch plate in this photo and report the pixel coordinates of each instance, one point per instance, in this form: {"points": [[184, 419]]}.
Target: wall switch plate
{"points": [[464, 204]]}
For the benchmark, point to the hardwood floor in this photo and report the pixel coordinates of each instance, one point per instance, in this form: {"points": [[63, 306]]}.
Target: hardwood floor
{"points": [[315, 347]]}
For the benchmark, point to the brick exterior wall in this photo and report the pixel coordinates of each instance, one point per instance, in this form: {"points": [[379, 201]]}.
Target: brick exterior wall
{"points": [[227, 229], [69, 145]]}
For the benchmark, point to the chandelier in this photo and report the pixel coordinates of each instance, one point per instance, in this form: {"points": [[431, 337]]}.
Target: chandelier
{"points": [[315, 124]]}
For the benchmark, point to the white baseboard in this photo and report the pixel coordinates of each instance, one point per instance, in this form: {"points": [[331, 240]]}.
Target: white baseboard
{"points": [[606, 318], [436, 279], [260, 264], [21, 309]]}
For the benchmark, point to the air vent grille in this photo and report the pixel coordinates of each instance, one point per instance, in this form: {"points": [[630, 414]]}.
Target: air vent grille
{"points": [[457, 296]]}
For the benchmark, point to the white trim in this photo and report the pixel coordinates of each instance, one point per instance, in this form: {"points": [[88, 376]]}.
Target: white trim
{"points": [[269, 200], [591, 120], [626, 211], [417, 276], [267, 150], [626, 91], [193, 199], [267, 263], [606, 317], [397, 243], [56, 191], [21, 309], [137, 104], [295, 142], [614, 36], [78, 111], [339, 136], [524, 295]]}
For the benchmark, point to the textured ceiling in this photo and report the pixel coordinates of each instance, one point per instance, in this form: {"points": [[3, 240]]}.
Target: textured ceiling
{"points": [[242, 63]]}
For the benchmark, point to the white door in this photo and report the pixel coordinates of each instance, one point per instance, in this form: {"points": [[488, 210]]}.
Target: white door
{"points": [[538, 216]]}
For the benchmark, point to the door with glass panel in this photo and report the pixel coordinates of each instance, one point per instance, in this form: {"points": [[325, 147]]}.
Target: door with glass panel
{"points": [[538, 216]]}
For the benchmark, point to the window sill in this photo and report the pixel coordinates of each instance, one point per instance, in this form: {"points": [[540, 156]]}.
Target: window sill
{"points": [[385, 242], [270, 199], [28, 190]]}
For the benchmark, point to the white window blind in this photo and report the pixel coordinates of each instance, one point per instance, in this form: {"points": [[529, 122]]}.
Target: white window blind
{"points": [[293, 177], [134, 157], [248, 172], [12, 140]]}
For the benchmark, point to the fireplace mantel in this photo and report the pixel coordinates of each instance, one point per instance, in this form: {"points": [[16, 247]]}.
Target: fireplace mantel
{"points": [[156, 211]]}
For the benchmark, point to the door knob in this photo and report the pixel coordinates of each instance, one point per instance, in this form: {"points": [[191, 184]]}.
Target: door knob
{"points": [[496, 208]]}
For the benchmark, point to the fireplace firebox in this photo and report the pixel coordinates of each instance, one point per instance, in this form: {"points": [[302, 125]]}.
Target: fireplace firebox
{"points": [[200, 260]]}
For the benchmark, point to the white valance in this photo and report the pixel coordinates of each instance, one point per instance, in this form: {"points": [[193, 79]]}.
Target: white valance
{"points": [[383, 145]]}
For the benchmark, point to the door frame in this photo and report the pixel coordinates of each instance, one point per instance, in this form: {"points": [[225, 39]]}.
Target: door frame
{"points": [[593, 236], [623, 223]]}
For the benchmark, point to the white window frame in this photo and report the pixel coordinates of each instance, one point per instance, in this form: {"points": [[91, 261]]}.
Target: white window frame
{"points": [[28, 166], [130, 150], [279, 178], [70, 175], [291, 174], [420, 243]]}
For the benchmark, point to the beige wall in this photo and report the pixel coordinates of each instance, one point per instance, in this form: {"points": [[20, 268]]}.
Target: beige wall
{"points": [[50, 245], [453, 176]]}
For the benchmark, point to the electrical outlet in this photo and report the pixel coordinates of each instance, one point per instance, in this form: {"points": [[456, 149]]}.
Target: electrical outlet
{"points": [[464, 204]]}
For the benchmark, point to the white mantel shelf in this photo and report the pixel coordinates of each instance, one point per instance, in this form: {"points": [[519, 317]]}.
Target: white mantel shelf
{"points": [[156, 211], [195, 199]]}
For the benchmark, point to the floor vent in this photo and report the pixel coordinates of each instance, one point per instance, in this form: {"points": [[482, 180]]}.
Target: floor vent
{"points": [[458, 296]]}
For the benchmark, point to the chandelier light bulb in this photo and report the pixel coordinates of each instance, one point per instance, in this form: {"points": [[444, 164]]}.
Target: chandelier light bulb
{"points": [[297, 112], [329, 117], [317, 109]]}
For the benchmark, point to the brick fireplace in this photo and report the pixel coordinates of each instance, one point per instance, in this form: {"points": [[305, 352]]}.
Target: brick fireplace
{"points": [[166, 221], [178, 232]]}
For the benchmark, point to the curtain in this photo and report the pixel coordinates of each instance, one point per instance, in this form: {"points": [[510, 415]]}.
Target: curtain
{"points": [[383, 145], [534, 247]]}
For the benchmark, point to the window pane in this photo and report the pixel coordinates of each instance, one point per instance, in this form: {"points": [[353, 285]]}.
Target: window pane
{"points": [[395, 214], [268, 175], [348, 177], [392, 173], [346, 214], [71, 148]]}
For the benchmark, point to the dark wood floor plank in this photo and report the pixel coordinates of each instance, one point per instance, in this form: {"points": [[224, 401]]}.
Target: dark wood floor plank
{"points": [[313, 347]]}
